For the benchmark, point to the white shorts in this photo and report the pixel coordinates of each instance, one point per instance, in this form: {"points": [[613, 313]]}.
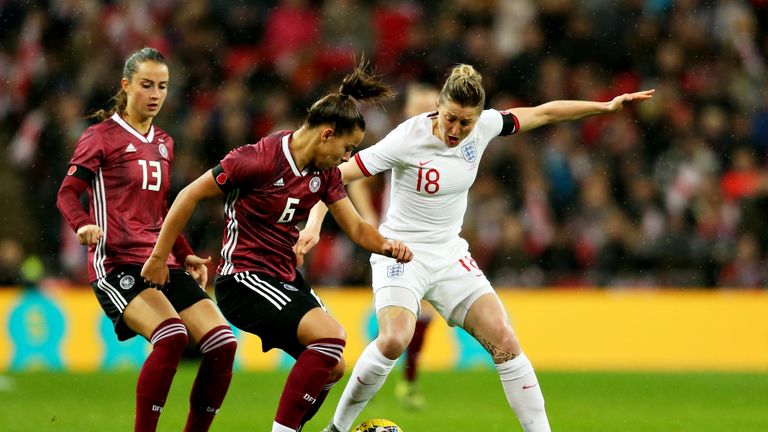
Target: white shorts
{"points": [[443, 274]]}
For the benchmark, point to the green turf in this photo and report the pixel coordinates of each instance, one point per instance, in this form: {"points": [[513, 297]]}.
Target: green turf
{"points": [[457, 401]]}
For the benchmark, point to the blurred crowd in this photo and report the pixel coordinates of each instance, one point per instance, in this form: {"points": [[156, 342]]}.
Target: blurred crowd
{"points": [[671, 193]]}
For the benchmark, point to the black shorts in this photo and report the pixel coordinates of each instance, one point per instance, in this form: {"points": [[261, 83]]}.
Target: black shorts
{"points": [[267, 307], [124, 282]]}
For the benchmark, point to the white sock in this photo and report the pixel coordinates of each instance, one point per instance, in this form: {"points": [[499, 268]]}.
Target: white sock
{"points": [[524, 393], [277, 427], [367, 377]]}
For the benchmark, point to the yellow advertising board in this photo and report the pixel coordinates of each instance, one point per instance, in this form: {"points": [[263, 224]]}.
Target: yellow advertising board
{"points": [[559, 330]]}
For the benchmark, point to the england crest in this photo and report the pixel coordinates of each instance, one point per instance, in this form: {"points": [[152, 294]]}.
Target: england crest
{"points": [[469, 152], [395, 271]]}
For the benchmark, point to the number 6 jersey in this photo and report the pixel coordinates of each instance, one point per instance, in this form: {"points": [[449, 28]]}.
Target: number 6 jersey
{"points": [[266, 196]]}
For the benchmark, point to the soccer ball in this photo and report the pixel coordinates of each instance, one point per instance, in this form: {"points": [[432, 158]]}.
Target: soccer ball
{"points": [[378, 425]]}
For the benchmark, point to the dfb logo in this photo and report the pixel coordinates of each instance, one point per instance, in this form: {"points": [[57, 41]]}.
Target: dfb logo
{"points": [[126, 282], [314, 184]]}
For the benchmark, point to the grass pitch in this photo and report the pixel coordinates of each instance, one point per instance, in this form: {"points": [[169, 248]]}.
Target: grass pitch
{"points": [[456, 401]]}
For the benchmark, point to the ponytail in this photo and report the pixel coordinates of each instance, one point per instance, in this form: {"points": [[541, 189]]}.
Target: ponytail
{"points": [[339, 109]]}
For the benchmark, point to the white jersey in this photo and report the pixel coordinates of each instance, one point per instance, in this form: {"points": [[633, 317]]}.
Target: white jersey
{"points": [[430, 181]]}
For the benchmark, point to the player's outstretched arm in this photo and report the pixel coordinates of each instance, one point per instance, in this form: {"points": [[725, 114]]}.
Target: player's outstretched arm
{"points": [[366, 235], [567, 110], [155, 270]]}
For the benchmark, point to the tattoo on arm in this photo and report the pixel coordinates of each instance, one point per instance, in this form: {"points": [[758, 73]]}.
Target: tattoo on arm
{"points": [[498, 354]]}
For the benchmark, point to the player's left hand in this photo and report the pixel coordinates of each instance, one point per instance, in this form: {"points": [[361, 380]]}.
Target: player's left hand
{"points": [[398, 250], [618, 103], [308, 238], [198, 268]]}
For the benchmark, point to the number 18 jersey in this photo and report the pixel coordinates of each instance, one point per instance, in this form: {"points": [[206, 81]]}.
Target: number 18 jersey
{"points": [[430, 181]]}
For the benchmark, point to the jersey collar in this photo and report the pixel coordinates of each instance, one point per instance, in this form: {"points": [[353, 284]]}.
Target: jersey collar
{"points": [[148, 139], [289, 157]]}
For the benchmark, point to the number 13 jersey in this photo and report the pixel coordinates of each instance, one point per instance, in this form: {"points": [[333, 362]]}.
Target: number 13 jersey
{"points": [[129, 175]]}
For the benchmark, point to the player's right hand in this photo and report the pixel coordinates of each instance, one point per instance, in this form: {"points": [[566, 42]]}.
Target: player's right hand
{"points": [[155, 272], [398, 250], [308, 238], [89, 234]]}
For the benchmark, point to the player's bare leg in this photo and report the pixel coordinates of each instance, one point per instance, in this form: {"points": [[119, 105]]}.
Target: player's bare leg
{"points": [[487, 322], [396, 326]]}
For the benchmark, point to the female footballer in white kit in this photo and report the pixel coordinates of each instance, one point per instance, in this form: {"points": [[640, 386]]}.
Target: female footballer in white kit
{"points": [[434, 159]]}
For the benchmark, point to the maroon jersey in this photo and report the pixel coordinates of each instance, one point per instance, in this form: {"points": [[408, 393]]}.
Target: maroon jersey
{"points": [[129, 174], [267, 196]]}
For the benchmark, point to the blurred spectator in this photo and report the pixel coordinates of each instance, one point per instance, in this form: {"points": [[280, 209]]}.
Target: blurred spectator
{"points": [[11, 258], [747, 269]]}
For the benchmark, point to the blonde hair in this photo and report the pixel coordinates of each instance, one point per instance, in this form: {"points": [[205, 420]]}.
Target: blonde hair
{"points": [[464, 87]]}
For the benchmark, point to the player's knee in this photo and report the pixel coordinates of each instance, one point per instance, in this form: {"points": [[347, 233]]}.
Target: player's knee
{"points": [[501, 342], [336, 332], [393, 345], [506, 337]]}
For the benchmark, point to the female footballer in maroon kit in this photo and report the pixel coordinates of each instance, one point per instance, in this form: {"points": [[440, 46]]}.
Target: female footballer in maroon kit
{"points": [[124, 164], [269, 188]]}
